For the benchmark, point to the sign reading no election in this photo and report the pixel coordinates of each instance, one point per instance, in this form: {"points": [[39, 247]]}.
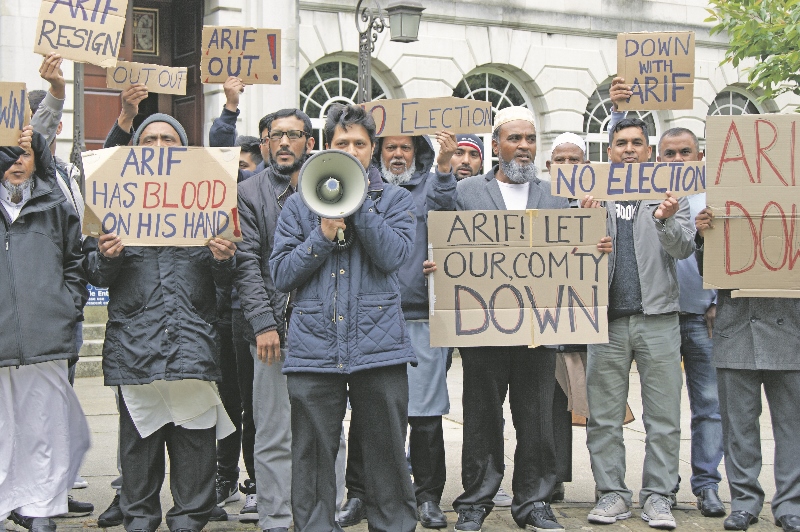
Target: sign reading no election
{"points": [[162, 196], [519, 277], [426, 116], [254, 55], [754, 192], [158, 79], [659, 67], [635, 181], [15, 112], [86, 31]]}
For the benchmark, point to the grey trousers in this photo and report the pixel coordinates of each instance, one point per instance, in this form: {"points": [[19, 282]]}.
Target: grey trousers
{"points": [[272, 452], [654, 342], [740, 406]]}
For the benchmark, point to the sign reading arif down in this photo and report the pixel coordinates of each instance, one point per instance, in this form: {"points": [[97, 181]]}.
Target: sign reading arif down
{"points": [[253, 55], [426, 116], [162, 196], [158, 79], [86, 31], [15, 112], [618, 181], [754, 192], [659, 67], [518, 277]]}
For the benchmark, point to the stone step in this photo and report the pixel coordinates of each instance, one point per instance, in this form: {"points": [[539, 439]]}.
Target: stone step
{"points": [[91, 348], [94, 331], [95, 314], [89, 366]]}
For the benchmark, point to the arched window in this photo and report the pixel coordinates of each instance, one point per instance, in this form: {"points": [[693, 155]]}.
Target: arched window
{"points": [[597, 117], [492, 87], [733, 102], [328, 83]]}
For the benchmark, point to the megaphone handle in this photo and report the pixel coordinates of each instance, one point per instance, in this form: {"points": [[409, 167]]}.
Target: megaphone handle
{"points": [[340, 234]]}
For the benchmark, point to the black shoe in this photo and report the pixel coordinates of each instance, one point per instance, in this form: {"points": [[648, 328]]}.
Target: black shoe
{"points": [[541, 518], [790, 523], [218, 514], [558, 493], [112, 516], [739, 520], [709, 504], [43, 524], [227, 491], [353, 512], [470, 519], [431, 516], [19, 520], [78, 508]]}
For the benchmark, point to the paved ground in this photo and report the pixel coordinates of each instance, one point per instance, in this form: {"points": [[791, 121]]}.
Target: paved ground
{"points": [[100, 469]]}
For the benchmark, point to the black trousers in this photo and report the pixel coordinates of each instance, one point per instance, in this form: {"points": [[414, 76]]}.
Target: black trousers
{"points": [[528, 376], [562, 435], [192, 467], [379, 398], [426, 451], [236, 392]]}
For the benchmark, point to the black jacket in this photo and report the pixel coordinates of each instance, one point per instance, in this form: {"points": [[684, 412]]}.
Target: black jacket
{"points": [[42, 282]]}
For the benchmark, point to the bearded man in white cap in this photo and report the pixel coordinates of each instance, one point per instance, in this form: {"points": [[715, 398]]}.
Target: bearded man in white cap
{"points": [[490, 373]]}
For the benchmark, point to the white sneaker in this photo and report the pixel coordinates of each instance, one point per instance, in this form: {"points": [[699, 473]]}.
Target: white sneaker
{"points": [[656, 511], [609, 509], [502, 498], [249, 512], [80, 483]]}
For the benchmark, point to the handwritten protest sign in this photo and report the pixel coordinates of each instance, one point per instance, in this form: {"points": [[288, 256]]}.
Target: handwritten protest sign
{"points": [[162, 196], [753, 190], [635, 181], [86, 31], [519, 277], [659, 67], [159, 79], [254, 55], [426, 116], [15, 113]]}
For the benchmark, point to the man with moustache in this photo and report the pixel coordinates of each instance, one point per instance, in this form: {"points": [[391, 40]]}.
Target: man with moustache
{"points": [[648, 236], [467, 161]]}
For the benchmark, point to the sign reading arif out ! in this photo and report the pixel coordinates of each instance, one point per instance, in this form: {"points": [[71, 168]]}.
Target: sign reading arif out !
{"points": [[252, 54], [754, 192], [426, 116], [162, 196], [659, 67], [158, 79], [86, 31], [518, 277], [15, 112], [635, 181]]}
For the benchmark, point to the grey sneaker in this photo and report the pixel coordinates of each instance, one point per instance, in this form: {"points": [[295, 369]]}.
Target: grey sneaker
{"points": [[502, 498], [609, 509], [656, 511]]}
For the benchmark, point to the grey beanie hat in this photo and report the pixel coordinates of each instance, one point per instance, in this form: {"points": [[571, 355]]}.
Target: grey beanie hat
{"points": [[161, 117]]}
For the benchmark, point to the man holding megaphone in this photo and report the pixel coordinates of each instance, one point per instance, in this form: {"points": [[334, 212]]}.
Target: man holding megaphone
{"points": [[347, 336]]}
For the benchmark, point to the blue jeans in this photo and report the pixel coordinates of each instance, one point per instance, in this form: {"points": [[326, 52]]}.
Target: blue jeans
{"points": [[701, 382]]}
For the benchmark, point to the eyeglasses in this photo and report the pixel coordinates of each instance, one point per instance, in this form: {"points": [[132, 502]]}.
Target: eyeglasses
{"points": [[277, 135]]}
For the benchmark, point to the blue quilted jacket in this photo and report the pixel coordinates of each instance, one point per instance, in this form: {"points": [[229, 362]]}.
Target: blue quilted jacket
{"points": [[347, 314]]}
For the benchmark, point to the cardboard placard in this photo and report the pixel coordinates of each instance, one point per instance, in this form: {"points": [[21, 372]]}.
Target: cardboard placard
{"points": [[15, 112], [85, 32], [251, 54], [620, 181], [518, 277], [159, 79], [426, 116], [162, 196], [659, 67], [754, 192]]}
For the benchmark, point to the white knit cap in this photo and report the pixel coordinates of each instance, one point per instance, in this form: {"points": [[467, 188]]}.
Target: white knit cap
{"points": [[569, 138], [509, 114]]}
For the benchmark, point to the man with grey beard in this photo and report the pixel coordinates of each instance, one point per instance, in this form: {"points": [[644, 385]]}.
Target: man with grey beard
{"points": [[406, 161]]}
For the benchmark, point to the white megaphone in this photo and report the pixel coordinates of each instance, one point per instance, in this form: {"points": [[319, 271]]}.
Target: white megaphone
{"points": [[333, 184]]}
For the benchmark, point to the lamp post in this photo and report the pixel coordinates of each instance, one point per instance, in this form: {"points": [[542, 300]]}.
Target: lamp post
{"points": [[404, 17]]}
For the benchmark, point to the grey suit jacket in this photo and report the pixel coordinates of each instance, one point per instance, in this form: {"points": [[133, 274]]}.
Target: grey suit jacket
{"points": [[482, 193]]}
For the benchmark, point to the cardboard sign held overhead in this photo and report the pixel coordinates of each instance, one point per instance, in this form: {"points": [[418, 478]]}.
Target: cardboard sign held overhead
{"points": [[618, 181], [659, 67], [754, 192], [85, 32], [162, 196], [426, 116], [254, 55], [15, 112], [159, 79], [518, 277]]}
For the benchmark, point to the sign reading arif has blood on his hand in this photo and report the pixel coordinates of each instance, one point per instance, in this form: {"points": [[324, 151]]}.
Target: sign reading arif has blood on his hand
{"points": [[530, 277], [162, 196]]}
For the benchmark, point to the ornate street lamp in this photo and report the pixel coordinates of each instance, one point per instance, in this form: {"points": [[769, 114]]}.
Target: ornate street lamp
{"points": [[404, 17]]}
